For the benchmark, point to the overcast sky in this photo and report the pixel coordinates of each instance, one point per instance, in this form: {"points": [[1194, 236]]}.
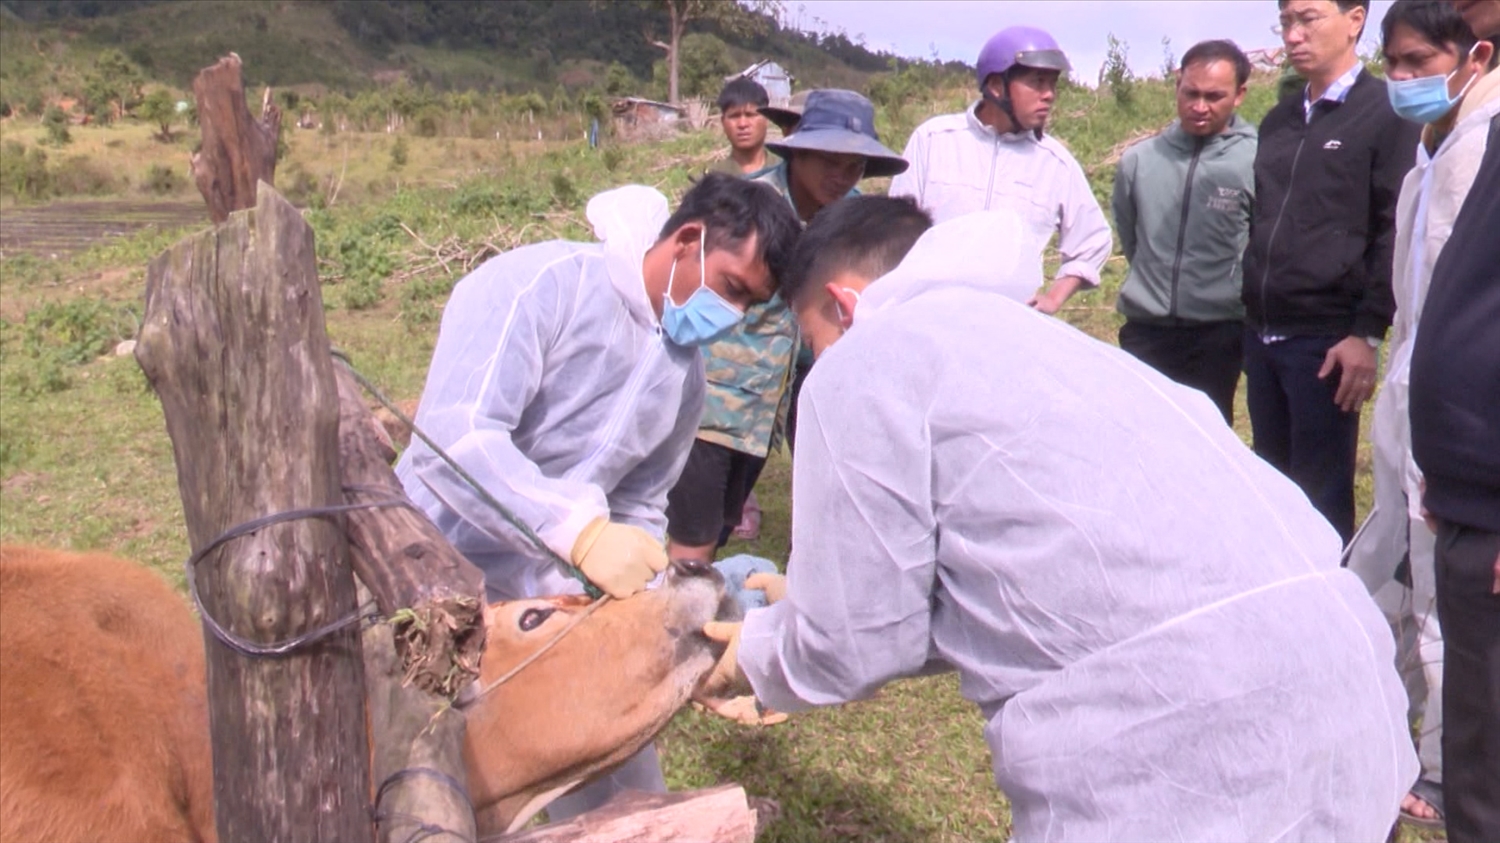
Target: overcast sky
{"points": [[958, 28]]}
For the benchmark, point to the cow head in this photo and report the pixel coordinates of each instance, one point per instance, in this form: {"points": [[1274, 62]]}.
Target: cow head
{"points": [[592, 699]]}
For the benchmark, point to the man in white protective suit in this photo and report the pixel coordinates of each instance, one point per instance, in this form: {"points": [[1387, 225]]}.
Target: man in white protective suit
{"points": [[568, 382], [1152, 620]]}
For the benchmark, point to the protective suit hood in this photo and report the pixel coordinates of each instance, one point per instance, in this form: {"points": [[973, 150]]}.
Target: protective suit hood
{"points": [[984, 250], [628, 221]]}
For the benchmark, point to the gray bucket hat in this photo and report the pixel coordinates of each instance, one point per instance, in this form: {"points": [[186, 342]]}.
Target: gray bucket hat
{"points": [[841, 121]]}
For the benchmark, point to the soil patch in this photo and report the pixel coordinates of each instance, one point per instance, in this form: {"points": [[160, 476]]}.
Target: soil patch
{"points": [[58, 229]]}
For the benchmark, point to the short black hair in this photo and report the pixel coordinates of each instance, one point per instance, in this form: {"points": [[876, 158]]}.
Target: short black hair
{"points": [[1434, 20], [1208, 52], [867, 235], [731, 210], [1345, 6], [743, 91]]}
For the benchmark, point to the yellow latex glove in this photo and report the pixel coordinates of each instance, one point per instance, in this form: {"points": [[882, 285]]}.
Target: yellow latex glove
{"points": [[618, 558], [774, 585], [726, 680]]}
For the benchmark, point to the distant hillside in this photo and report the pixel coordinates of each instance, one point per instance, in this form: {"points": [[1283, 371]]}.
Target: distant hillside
{"points": [[351, 45]]}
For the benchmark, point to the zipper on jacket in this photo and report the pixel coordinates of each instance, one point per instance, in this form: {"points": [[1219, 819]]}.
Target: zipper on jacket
{"points": [[1187, 199], [1265, 276]]}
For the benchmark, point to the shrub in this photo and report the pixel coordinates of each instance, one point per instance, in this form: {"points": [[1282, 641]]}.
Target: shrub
{"points": [[613, 158], [78, 330], [298, 185], [56, 123], [161, 180], [23, 171], [398, 153], [1117, 73], [564, 191], [80, 176]]}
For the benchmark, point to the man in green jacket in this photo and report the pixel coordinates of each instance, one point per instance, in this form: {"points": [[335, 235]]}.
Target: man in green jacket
{"points": [[1182, 204]]}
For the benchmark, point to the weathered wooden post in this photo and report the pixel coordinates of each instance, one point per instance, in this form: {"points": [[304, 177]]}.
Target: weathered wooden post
{"points": [[262, 421], [234, 345]]}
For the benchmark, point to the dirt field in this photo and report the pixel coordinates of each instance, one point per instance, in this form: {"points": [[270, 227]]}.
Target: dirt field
{"points": [[58, 229]]}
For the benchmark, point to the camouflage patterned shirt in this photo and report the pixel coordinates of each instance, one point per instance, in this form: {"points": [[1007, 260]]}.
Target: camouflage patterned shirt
{"points": [[749, 369]]}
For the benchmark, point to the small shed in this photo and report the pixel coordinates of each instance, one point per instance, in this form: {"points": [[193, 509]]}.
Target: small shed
{"points": [[771, 76], [642, 119]]}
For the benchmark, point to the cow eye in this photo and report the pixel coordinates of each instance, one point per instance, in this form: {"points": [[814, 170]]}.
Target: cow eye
{"points": [[532, 618]]}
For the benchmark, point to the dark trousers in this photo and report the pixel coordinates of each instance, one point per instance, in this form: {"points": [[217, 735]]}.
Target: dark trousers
{"points": [[1297, 427], [1207, 356], [709, 498], [1469, 613]]}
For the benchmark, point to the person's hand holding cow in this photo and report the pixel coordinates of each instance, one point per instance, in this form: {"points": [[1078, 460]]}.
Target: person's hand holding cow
{"points": [[618, 558], [724, 690]]}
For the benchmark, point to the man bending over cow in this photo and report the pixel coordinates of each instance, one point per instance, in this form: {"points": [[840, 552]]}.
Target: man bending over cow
{"points": [[567, 381], [1151, 618]]}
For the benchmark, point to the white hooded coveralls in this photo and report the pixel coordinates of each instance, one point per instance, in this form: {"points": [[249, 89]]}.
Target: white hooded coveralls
{"points": [[554, 386], [1152, 619], [1431, 196]]}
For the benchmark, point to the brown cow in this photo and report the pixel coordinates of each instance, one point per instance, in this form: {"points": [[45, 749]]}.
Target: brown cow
{"points": [[103, 704]]}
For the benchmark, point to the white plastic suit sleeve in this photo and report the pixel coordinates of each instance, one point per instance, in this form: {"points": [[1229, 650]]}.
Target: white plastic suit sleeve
{"points": [[858, 608], [1084, 239], [484, 407]]}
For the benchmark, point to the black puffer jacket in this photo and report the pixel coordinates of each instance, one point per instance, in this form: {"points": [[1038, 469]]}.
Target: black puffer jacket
{"points": [[1323, 228]]}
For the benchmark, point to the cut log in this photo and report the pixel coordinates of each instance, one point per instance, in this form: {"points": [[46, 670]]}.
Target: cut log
{"points": [[406, 562], [238, 150], [420, 779], [233, 343], [714, 815]]}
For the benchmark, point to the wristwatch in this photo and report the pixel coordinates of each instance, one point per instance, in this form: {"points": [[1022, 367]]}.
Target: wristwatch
{"points": [[1374, 342]]}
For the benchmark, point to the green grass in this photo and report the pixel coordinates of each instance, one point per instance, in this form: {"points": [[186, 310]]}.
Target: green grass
{"points": [[85, 463]]}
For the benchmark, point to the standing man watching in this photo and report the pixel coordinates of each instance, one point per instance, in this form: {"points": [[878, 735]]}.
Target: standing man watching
{"points": [[996, 155], [1182, 207], [744, 127], [1436, 72], [750, 383], [1455, 439], [1317, 288], [567, 382]]}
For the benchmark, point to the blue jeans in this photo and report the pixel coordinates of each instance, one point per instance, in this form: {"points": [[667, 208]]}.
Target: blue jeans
{"points": [[1297, 427]]}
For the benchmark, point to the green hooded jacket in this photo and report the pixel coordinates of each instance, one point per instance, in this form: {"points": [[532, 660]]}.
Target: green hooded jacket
{"points": [[1182, 212]]}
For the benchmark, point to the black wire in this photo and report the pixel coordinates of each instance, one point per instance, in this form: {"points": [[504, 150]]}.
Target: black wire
{"points": [[246, 647], [424, 829]]}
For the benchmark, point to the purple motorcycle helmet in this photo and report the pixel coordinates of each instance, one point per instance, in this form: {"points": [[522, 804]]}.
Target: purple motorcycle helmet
{"points": [[1017, 46]]}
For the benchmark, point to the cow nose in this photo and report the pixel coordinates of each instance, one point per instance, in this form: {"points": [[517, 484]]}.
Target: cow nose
{"points": [[692, 567]]}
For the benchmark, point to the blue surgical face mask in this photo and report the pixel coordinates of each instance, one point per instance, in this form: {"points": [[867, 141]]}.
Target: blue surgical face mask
{"points": [[1425, 100], [705, 316]]}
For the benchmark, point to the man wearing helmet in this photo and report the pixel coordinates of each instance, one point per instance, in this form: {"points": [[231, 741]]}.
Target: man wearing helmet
{"points": [[996, 155]]}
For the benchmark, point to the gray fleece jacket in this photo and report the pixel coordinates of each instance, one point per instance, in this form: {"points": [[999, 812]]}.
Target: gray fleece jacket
{"points": [[1182, 212]]}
